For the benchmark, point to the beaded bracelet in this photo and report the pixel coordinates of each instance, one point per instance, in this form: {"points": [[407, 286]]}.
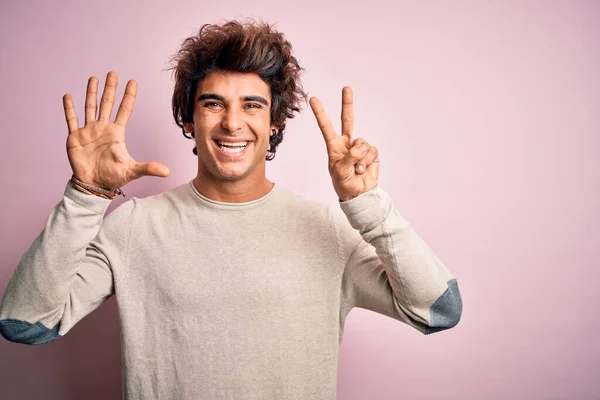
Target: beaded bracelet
{"points": [[89, 189]]}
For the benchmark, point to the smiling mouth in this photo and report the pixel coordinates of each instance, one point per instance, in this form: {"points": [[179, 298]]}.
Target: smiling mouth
{"points": [[232, 148]]}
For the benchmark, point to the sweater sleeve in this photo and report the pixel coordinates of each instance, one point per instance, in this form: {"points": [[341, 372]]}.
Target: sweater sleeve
{"points": [[67, 271], [389, 269]]}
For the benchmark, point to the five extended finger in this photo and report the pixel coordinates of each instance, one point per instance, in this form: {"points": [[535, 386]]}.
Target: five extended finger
{"points": [[126, 106], [91, 98], [150, 169], [70, 114], [108, 97]]}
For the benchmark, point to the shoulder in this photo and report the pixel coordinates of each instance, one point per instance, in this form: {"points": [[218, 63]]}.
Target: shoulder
{"points": [[157, 204], [171, 198], [325, 216]]}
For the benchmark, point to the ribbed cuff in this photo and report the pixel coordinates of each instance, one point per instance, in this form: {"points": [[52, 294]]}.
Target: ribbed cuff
{"points": [[370, 209]]}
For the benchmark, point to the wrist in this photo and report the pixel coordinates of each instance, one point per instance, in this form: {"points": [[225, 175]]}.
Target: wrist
{"points": [[94, 189], [347, 197]]}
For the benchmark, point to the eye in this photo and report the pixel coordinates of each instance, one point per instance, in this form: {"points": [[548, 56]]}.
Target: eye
{"points": [[253, 105], [211, 104]]}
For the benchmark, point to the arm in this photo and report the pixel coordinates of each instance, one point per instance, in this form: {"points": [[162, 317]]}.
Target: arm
{"points": [[67, 271], [389, 269]]}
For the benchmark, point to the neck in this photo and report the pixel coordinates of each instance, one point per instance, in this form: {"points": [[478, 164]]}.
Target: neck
{"points": [[232, 191]]}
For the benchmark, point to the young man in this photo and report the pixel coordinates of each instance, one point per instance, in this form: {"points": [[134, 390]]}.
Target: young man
{"points": [[229, 286]]}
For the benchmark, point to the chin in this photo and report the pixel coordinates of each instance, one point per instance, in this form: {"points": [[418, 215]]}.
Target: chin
{"points": [[229, 173]]}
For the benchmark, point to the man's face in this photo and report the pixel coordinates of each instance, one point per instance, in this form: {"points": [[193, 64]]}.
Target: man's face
{"points": [[232, 125]]}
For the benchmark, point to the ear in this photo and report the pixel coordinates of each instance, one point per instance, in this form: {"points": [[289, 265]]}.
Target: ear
{"points": [[273, 128], [189, 127]]}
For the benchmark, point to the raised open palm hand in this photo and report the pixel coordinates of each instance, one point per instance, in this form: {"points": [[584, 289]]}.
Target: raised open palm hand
{"points": [[97, 151]]}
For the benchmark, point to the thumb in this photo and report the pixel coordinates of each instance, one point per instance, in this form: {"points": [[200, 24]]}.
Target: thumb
{"points": [[354, 155], [150, 169]]}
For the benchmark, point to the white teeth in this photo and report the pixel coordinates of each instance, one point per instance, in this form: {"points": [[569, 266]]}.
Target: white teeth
{"points": [[232, 148], [228, 144]]}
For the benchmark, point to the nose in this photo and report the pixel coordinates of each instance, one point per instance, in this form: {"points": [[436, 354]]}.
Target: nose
{"points": [[233, 120]]}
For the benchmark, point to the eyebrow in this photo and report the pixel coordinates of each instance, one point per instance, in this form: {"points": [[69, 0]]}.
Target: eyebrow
{"points": [[215, 96]]}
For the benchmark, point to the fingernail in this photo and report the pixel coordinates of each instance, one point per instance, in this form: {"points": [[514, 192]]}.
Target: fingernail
{"points": [[361, 168], [363, 147]]}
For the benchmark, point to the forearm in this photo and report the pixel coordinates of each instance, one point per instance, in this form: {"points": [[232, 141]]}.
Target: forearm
{"points": [[40, 291], [422, 286]]}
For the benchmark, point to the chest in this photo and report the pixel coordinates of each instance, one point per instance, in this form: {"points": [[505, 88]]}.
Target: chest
{"points": [[225, 272]]}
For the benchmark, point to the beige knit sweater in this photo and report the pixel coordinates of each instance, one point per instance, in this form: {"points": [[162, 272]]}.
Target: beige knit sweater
{"points": [[227, 300]]}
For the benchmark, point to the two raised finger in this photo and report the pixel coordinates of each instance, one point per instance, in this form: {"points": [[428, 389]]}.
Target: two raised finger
{"points": [[347, 113], [324, 122]]}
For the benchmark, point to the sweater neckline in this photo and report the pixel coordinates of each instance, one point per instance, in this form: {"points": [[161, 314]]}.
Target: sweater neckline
{"points": [[230, 206]]}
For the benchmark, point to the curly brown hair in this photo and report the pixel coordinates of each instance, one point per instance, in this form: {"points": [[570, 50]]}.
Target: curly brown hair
{"points": [[239, 47]]}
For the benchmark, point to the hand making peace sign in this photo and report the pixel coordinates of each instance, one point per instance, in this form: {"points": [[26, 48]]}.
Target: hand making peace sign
{"points": [[353, 164]]}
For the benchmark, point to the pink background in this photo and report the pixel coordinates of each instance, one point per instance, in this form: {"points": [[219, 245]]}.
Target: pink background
{"points": [[486, 114]]}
